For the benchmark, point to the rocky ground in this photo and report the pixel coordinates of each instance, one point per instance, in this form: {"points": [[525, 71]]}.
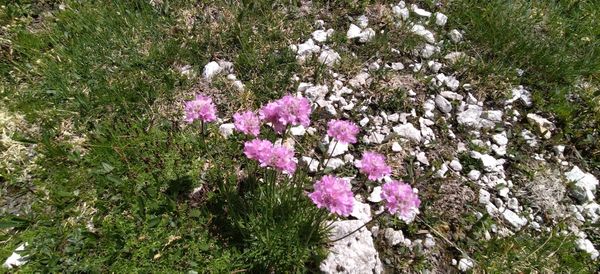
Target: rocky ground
{"points": [[485, 169]]}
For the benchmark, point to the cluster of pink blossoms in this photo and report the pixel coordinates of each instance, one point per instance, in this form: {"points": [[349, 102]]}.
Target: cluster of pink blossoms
{"points": [[247, 122], [373, 165], [289, 110], [400, 199], [342, 131], [267, 154], [333, 193], [201, 108]]}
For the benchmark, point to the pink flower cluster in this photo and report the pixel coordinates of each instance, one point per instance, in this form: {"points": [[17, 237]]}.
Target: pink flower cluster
{"points": [[247, 122], [342, 131], [289, 110], [400, 199], [333, 193], [201, 108], [373, 165], [267, 154]]}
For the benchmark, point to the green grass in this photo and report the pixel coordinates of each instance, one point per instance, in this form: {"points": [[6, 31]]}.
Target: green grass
{"points": [[122, 206], [555, 44]]}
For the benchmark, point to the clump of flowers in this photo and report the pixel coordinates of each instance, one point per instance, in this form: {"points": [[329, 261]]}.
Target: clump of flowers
{"points": [[201, 108], [373, 165], [267, 154], [287, 111], [400, 199], [333, 193], [342, 131], [247, 122]]}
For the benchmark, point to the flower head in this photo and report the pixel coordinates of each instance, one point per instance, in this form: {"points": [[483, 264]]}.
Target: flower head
{"points": [[247, 122], [267, 154], [282, 158], [333, 193], [289, 110], [373, 165], [343, 131], [400, 199], [259, 150], [201, 108]]}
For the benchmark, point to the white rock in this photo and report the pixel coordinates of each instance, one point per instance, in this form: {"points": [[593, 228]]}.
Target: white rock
{"points": [[419, 11], [584, 186], [361, 211], [440, 19], [298, 130], [396, 147], [15, 259], [335, 163], [474, 174], [544, 126], [393, 117], [408, 131], [455, 165], [441, 173], [587, 246], [210, 70], [465, 264], [512, 218], [401, 12], [489, 162], [313, 164], [226, 129], [503, 192], [354, 254], [520, 93], [492, 115], [362, 21], [393, 237], [329, 57], [375, 196], [484, 196], [359, 80], [340, 148], [363, 122], [451, 95], [366, 35], [443, 105], [455, 36], [455, 56], [421, 31], [353, 32], [322, 35], [427, 51], [422, 158], [500, 138]]}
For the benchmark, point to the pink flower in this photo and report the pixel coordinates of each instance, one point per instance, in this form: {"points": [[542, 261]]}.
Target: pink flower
{"points": [[282, 158], [343, 131], [333, 193], [373, 165], [400, 199], [259, 150], [289, 110], [270, 113], [247, 122], [201, 108], [269, 155]]}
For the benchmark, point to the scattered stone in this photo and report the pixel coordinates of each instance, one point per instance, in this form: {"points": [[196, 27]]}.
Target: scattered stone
{"points": [[584, 186], [440, 19], [337, 148], [322, 35], [396, 147], [512, 218], [421, 31], [354, 254], [375, 196], [520, 93], [15, 259], [329, 57], [397, 66], [361, 211], [422, 158], [210, 70], [443, 105], [393, 237], [313, 164], [298, 130], [226, 129], [419, 11], [587, 246], [544, 126], [455, 36], [474, 175], [455, 165], [353, 32], [465, 264], [484, 196], [408, 131]]}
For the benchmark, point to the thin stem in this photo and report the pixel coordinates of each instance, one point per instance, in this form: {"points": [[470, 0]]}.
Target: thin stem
{"points": [[354, 231]]}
